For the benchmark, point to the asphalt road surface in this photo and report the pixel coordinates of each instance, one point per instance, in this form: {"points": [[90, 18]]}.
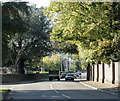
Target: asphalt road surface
{"points": [[56, 90]]}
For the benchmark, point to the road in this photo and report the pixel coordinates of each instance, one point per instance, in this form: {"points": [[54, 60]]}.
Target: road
{"points": [[56, 90]]}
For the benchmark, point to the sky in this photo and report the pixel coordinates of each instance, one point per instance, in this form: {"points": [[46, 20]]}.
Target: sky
{"points": [[38, 3]]}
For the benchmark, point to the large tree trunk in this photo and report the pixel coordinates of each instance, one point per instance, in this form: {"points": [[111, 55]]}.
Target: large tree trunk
{"points": [[20, 67]]}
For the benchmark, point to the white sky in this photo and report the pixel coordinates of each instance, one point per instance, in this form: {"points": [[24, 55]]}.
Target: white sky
{"points": [[39, 3]]}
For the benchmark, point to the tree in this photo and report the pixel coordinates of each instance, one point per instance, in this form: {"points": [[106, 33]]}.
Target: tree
{"points": [[52, 62], [78, 61], [33, 42], [91, 26], [13, 15], [65, 47]]}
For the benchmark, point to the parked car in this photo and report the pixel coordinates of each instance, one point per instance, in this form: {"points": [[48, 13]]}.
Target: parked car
{"points": [[79, 73], [62, 75], [76, 75], [69, 76]]}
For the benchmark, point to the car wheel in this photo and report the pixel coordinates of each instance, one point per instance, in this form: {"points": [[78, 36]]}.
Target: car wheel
{"points": [[73, 79], [65, 79], [50, 79]]}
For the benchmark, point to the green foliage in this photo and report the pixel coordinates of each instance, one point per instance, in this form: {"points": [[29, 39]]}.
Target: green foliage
{"points": [[80, 60], [52, 62], [65, 47], [92, 26], [35, 62], [13, 14], [32, 42]]}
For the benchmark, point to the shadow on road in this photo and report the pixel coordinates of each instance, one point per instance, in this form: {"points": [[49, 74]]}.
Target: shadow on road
{"points": [[77, 95], [61, 95]]}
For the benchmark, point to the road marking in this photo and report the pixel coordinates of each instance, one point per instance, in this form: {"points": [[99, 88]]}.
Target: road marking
{"points": [[66, 96], [43, 95], [97, 88], [88, 85], [56, 91], [53, 88]]}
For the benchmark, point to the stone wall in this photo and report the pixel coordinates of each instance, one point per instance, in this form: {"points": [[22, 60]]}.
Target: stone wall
{"points": [[95, 72], [117, 71], [107, 73], [7, 78], [100, 73]]}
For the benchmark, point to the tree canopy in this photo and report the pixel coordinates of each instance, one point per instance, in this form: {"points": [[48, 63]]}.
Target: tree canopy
{"points": [[64, 47], [32, 42], [13, 21], [93, 26], [13, 17], [52, 62]]}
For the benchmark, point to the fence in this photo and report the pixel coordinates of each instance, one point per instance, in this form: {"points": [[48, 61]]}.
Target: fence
{"points": [[106, 73]]}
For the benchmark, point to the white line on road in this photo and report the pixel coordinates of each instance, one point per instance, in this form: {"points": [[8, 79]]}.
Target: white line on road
{"points": [[66, 96], [58, 92], [97, 88], [43, 95], [88, 85], [53, 88]]}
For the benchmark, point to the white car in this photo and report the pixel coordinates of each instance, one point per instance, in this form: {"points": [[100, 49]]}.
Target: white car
{"points": [[69, 76], [76, 75]]}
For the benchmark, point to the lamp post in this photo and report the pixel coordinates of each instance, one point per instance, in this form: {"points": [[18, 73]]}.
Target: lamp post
{"points": [[68, 64], [61, 63]]}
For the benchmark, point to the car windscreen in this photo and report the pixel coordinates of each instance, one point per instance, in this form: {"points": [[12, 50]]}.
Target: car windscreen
{"points": [[53, 72], [69, 74]]}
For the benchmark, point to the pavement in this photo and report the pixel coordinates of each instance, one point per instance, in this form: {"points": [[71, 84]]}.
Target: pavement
{"points": [[3, 93], [109, 88]]}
